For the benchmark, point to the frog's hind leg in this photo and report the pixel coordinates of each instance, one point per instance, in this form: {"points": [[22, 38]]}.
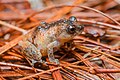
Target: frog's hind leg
{"points": [[51, 46], [30, 51]]}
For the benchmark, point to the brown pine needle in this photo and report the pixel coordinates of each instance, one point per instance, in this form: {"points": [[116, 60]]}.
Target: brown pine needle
{"points": [[13, 27]]}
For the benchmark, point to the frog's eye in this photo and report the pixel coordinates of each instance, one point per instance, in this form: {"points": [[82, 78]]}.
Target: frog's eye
{"points": [[71, 29]]}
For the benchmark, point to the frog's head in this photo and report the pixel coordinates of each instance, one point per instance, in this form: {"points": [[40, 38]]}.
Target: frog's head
{"points": [[69, 29], [73, 28]]}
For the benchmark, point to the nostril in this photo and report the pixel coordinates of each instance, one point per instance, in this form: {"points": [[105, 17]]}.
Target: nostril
{"points": [[80, 27]]}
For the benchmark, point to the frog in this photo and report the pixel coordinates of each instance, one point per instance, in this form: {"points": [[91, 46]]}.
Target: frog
{"points": [[47, 38]]}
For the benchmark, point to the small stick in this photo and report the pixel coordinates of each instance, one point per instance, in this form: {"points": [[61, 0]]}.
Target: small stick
{"points": [[107, 70], [99, 23], [16, 65], [86, 49], [13, 27], [47, 71], [85, 7]]}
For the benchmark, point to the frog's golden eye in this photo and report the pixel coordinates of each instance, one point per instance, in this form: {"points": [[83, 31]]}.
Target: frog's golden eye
{"points": [[71, 29]]}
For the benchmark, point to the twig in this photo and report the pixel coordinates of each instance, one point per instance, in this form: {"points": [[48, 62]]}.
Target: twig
{"points": [[10, 44], [13, 27], [77, 62], [64, 10], [94, 42], [1, 78], [76, 78], [56, 74], [86, 49], [85, 7], [20, 66], [107, 70], [99, 23], [106, 59], [100, 13], [47, 71]]}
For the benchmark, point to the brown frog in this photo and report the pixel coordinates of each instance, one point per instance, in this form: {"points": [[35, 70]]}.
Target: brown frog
{"points": [[48, 37]]}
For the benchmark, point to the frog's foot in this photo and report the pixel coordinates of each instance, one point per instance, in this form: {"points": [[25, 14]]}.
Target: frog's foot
{"points": [[50, 51], [53, 60], [57, 61], [33, 62], [43, 62]]}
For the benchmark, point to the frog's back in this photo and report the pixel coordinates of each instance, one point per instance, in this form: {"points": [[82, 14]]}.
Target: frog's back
{"points": [[46, 36]]}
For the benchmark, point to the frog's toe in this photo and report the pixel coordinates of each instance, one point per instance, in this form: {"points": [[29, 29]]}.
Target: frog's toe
{"points": [[57, 61], [43, 62], [33, 62]]}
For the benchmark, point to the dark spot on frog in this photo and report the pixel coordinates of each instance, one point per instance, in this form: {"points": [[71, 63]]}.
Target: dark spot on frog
{"points": [[39, 27], [70, 21], [45, 25]]}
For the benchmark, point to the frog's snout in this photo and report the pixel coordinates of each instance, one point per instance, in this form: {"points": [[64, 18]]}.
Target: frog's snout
{"points": [[75, 29], [79, 29]]}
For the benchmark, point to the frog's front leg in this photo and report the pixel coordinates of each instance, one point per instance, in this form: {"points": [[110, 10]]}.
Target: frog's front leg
{"points": [[50, 51], [30, 51]]}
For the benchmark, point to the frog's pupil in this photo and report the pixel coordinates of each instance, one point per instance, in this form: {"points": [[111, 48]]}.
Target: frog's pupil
{"points": [[71, 29]]}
